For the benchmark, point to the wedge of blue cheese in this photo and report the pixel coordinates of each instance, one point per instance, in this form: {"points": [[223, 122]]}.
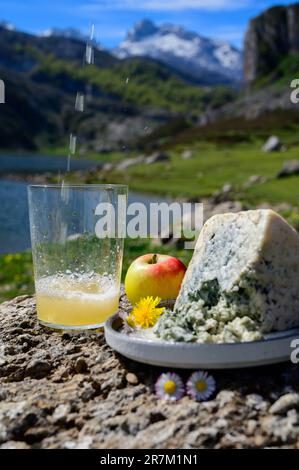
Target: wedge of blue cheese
{"points": [[242, 282]]}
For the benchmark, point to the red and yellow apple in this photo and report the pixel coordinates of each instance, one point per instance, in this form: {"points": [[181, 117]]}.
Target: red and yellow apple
{"points": [[154, 275]]}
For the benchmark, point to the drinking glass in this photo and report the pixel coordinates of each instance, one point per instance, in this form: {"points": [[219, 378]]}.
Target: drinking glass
{"points": [[77, 235]]}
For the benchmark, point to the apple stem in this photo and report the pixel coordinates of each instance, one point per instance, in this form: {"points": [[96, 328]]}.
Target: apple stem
{"points": [[154, 259]]}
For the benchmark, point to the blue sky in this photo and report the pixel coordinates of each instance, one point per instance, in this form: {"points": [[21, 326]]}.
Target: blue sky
{"points": [[223, 19]]}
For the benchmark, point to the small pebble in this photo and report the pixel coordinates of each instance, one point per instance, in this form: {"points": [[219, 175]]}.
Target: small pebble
{"points": [[285, 403], [3, 395], [38, 369], [61, 412], [26, 324], [132, 378], [251, 426], [81, 365], [259, 441], [66, 336]]}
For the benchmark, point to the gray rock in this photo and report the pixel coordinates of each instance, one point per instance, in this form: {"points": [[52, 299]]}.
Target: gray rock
{"points": [[107, 167], [61, 412], [290, 167], [132, 378], [274, 33], [256, 402], [128, 162], [284, 429], [15, 419], [14, 445], [254, 179], [38, 369], [224, 194], [223, 208], [196, 223], [157, 157], [101, 148], [285, 403], [187, 154], [252, 425], [224, 397], [81, 365], [227, 188], [273, 144], [103, 408]]}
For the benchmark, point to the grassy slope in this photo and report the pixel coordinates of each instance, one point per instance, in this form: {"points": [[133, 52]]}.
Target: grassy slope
{"points": [[211, 167], [283, 74], [16, 277]]}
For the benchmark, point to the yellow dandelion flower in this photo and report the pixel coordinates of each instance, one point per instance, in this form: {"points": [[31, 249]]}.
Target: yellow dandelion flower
{"points": [[146, 313]]}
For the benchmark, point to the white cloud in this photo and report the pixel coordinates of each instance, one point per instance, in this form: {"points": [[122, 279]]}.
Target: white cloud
{"points": [[164, 5]]}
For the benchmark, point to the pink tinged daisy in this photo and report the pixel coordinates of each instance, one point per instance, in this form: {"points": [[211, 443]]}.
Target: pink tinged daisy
{"points": [[201, 386], [170, 386]]}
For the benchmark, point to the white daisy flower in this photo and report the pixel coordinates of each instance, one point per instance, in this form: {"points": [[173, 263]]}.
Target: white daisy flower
{"points": [[170, 386], [201, 386]]}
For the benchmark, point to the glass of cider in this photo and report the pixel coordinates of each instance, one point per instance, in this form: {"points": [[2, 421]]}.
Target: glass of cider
{"points": [[77, 236]]}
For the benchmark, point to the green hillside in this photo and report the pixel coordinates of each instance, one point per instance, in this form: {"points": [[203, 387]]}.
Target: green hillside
{"points": [[43, 75], [282, 74], [139, 82]]}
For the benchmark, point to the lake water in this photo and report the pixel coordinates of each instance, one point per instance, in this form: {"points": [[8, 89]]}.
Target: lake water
{"points": [[39, 164], [14, 222]]}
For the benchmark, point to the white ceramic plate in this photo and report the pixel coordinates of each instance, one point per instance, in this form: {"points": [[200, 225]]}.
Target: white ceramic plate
{"points": [[275, 348]]}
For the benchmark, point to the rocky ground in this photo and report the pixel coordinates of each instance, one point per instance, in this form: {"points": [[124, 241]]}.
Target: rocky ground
{"points": [[61, 390]]}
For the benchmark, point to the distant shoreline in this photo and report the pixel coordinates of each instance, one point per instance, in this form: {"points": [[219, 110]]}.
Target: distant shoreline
{"points": [[27, 177]]}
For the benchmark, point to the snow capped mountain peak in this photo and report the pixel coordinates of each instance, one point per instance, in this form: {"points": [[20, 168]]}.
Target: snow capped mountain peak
{"points": [[142, 30], [6, 25], [70, 33], [184, 50]]}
